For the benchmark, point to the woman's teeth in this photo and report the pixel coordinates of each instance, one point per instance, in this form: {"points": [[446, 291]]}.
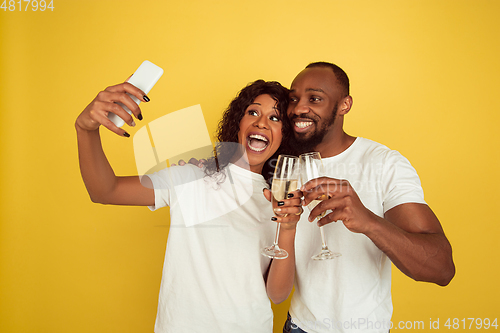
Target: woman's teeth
{"points": [[257, 142]]}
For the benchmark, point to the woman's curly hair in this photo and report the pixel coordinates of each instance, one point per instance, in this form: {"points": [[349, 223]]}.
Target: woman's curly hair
{"points": [[229, 126]]}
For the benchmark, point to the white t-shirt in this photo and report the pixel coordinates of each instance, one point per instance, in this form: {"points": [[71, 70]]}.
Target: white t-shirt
{"points": [[213, 271], [352, 293]]}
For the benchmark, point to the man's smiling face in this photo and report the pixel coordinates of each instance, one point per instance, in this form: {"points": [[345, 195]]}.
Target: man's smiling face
{"points": [[314, 99]]}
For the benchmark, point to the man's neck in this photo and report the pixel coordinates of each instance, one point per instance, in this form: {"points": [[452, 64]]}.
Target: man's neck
{"points": [[334, 144]]}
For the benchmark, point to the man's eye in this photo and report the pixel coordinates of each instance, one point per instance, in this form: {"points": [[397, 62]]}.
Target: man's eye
{"points": [[293, 99], [315, 99]]}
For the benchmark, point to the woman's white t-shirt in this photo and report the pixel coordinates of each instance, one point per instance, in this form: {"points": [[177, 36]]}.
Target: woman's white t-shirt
{"points": [[213, 271]]}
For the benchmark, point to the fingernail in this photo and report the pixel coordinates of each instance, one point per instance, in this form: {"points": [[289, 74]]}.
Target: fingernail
{"points": [[273, 218], [146, 98], [132, 123], [126, 135], [277, 210], [290, 195], [280, 203], [139, 116]]}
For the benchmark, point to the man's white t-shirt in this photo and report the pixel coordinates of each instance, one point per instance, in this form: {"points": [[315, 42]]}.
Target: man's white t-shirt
{"points": [[213, 271], [352, 293]]}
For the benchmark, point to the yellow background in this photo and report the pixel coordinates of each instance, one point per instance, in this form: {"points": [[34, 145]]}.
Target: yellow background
{"points": [[424, 73]]}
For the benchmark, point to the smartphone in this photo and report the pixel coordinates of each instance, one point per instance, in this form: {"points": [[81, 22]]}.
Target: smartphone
{"points": [[144, 78]]}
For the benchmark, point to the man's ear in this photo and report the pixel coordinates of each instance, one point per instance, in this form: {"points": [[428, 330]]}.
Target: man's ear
{"points": [[345, 106]]}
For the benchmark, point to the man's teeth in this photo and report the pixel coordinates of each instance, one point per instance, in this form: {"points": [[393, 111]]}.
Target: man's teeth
{"points": [[303, 124], [257, 142]]}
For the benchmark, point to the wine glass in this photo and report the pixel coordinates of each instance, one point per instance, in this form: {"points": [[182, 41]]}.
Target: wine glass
{"points": [[311, 167], [285, 180]]}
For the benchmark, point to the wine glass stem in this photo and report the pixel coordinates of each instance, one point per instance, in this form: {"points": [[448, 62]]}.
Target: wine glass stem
{"points": [[277, 235], [323, 243]]}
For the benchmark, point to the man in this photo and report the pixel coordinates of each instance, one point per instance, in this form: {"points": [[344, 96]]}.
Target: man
{"points": [[379, 214]]}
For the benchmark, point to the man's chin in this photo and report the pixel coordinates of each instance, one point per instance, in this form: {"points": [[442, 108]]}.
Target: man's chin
{"points": [[301, 137], [305, 142], [302, 143]]}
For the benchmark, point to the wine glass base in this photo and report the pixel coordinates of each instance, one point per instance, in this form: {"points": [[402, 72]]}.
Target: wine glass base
{"points": [[326, 255], [274, 252]]}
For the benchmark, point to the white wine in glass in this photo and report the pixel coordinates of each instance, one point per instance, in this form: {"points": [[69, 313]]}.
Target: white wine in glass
{"points": [[280, 189], [311, 167], [285, 180]]}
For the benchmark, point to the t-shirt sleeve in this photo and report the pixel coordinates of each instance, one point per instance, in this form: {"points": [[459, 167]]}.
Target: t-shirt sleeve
{"points": [[161, 185], [165, 180], [403, 183]]}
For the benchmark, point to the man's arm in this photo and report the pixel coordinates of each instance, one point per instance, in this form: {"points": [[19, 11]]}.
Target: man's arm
{"points": [[413, 239], [409, 234]]}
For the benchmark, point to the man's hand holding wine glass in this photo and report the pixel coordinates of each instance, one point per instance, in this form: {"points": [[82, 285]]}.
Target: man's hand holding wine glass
{"points": [[343, 202]]}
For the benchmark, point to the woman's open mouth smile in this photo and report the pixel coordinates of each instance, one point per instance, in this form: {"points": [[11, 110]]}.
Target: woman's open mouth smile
{"points": [[257, 142]]}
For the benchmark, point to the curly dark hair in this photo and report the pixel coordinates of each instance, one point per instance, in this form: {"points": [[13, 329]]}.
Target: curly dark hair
{"points": [[229, 126]]}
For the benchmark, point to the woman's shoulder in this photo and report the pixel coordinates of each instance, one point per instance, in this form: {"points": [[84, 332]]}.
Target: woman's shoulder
{"points": [[179, 173]]}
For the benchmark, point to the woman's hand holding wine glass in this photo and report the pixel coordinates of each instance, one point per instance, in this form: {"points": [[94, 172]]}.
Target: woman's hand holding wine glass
{"points": [[285, 181]]}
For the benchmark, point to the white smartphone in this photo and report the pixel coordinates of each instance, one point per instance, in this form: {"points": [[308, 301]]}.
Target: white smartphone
{"points": [[144, 78]]}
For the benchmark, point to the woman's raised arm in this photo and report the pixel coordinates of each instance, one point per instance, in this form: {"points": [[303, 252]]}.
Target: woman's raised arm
{"points": [[102, 184]]}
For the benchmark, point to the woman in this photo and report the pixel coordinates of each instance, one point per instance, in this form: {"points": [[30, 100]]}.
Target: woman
{"points": [[213, 275]]}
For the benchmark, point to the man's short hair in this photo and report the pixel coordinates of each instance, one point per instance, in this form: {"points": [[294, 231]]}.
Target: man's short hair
{"points": [[341, 76]]}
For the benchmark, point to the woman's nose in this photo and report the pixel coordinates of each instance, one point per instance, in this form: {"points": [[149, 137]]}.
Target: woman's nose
{"points": [[261, 122]]}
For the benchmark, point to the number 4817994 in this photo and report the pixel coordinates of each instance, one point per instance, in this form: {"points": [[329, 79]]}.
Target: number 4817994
{"points": [[476, 323], [34, 5]]}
